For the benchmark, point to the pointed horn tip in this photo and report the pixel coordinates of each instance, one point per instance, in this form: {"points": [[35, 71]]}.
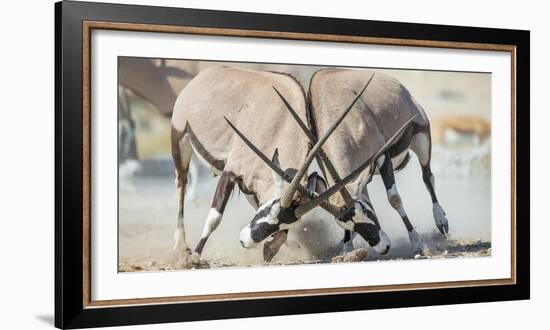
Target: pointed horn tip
{"points": [[277, 91]]}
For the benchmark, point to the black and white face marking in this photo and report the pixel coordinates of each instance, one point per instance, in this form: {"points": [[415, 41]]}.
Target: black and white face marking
{"points": [[365, 223], [265, 223]]}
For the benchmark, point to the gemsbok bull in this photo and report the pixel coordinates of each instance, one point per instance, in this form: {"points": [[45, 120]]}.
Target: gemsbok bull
{"points": [[382, 109], [377, 135], [247, 99]]}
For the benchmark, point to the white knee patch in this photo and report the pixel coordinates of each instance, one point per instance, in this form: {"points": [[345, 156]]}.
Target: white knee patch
{"points": [[192, 182], [212, 221], [380, 161]]}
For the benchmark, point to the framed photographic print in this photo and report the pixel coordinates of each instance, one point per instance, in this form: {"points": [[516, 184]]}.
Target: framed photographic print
{"points": [[218, 164]]}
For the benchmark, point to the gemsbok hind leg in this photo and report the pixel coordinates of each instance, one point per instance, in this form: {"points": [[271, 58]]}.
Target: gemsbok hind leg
{"points": [[181, 153], [223, 192], [422, 147], [386, 172]]}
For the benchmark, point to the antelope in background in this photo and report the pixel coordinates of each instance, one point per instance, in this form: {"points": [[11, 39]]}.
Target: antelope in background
{"points": [[451, 129], [157, 83]]}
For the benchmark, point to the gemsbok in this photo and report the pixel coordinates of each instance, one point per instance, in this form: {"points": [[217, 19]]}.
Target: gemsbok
{"points": [[382, 109], [375, 137], [247, 99]]}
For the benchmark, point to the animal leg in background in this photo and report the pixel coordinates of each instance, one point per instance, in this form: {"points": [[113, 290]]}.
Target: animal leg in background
{"points": [[347, 241], [193, 180]]}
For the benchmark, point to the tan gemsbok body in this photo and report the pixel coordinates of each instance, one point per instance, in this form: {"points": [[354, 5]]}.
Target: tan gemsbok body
{"points": [[383, 108], [248, 99]]}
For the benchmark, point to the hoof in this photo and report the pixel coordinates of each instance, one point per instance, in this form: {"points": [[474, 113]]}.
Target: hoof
{"points": [[189, 260], [416, 243], [441, 219]]}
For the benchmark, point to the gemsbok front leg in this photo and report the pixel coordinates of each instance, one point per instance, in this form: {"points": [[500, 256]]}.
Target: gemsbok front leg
{"points": [[386, 172], [422, 147], [223, 191]]}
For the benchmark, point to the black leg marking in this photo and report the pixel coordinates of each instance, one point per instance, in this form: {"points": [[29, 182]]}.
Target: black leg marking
{"points": [[223, 191], [428, 178], [386, 171], [347, 236]]}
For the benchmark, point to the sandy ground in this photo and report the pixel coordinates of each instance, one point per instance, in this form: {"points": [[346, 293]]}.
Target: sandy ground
{"points": [[147, 215]]}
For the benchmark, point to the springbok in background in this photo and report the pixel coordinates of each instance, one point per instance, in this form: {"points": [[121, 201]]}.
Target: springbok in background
{"points": [[248, 99], [451, 129], [386, 123]]}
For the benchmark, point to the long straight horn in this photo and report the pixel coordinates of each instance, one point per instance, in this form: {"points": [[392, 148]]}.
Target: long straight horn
{"points": [[330, 167], [332, 209], [286, 197], [308, 206]]}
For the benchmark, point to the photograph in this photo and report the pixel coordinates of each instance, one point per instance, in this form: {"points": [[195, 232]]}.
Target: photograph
{"points": [[243, 164]]}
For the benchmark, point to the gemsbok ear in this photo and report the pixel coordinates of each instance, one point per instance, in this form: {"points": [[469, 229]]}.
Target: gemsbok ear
{"points": [[316, 183], [278, 181], [275, 158]]}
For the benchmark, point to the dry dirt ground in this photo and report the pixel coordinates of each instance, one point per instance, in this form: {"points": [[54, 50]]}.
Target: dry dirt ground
{"points": [[452, 249], [147, 215]]}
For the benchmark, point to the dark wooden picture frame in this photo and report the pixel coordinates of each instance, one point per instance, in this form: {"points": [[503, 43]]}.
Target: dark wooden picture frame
{"points": [[74, 22]]}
